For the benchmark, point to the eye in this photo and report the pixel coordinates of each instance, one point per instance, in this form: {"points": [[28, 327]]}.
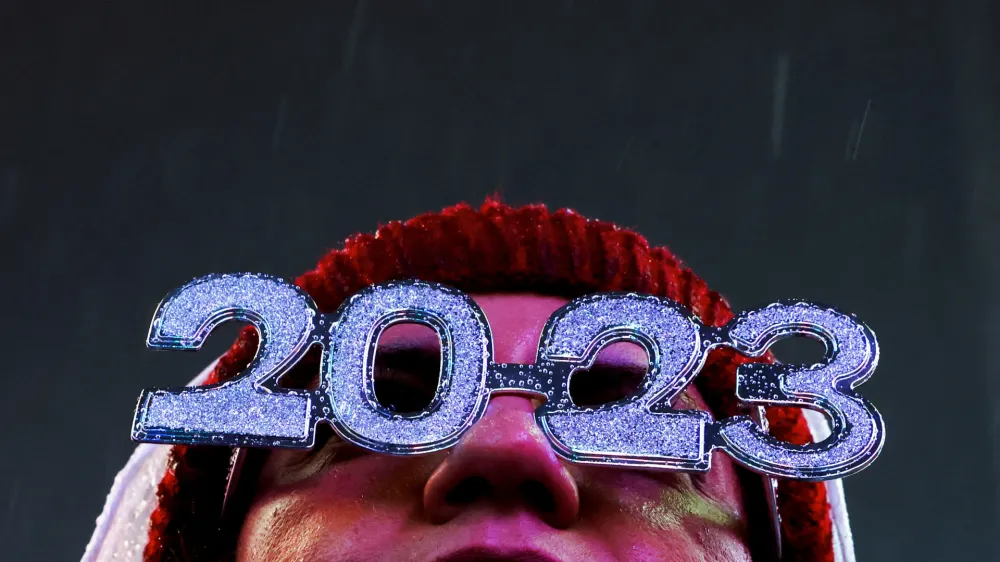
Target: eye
{"points": [[407, 368], [305, 374], [615, 375]]}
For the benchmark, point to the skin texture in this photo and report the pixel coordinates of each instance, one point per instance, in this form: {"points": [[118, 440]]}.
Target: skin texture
{"points": [[500, 494]]}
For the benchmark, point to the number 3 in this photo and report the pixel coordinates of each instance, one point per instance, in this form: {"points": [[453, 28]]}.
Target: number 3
{"points": [[852, 355]]}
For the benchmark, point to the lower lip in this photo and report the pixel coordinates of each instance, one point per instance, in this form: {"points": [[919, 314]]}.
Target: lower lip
{"points": [[494, 555]]}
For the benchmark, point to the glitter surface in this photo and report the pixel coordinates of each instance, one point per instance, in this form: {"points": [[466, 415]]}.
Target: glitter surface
{"points": [[466, 352], [239, 411], [627, 433], [639, 431], [858, 431]]}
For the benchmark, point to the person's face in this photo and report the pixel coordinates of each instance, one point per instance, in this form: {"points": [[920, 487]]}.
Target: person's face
{"points": [[501, 493]]}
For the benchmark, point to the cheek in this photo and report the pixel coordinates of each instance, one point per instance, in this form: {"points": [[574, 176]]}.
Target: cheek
{"points": [[722, 483], [281, 528], [662, 531], [725, 547], [347, 511], [301, 526], [659, 516]]}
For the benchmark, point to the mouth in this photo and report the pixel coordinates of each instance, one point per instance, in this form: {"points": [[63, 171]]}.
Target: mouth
{"points": [[493, 554]]}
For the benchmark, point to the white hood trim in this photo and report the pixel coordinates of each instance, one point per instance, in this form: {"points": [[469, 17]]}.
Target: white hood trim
{"points": [[843, 541], [123, 526]]}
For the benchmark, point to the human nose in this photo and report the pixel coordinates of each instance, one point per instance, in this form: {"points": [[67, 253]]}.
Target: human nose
{"points": [[504, 460]]}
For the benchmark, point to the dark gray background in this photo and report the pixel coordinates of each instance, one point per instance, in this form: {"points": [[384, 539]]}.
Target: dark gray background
{"points": [[845, 152]]}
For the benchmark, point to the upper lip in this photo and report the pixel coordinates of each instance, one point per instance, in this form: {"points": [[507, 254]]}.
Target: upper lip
{"points": [[492, 554]]}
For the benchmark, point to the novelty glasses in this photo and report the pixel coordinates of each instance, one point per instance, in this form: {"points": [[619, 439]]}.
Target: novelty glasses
{"points": [[641, 430]]}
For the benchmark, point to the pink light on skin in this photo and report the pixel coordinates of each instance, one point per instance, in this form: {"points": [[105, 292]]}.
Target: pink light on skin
{"points": [[500, 494]]}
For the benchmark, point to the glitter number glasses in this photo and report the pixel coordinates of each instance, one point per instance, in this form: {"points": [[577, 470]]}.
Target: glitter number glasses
{"points": [[639, 431]]}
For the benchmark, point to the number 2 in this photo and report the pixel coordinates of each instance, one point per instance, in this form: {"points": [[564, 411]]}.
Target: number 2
{"points": [[629, 432], [242, 411]]}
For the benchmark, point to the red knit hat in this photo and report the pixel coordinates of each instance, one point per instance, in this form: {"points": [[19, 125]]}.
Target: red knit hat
{"points": [[496, 248]]}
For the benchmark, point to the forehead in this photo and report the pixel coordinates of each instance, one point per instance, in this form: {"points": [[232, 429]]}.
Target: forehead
{"points": [[516, 321]]}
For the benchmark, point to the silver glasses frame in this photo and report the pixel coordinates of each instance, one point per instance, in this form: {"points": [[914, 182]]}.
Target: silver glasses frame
{"points": [[640, 431]]}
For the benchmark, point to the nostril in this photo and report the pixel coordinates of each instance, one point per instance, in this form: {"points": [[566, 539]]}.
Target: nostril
{"points": [[468, 491], [538, 496]]}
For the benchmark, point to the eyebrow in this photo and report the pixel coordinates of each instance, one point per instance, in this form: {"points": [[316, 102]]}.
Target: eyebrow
{"points": [[413, 337], [622, 355], [409, 336]]}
